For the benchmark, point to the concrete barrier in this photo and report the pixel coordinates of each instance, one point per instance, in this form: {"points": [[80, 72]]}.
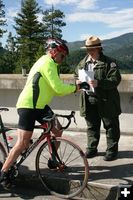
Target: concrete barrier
{"points": [[105, 178], [12, 84]]}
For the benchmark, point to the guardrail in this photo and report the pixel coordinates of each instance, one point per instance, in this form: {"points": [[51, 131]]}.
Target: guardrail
{"points": [[12, 84]]}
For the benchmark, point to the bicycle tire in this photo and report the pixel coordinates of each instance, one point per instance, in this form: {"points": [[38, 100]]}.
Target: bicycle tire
{"points": [[73, 179], [3, 155]]}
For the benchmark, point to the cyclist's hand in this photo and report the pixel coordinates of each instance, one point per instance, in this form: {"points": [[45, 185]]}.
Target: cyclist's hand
{"points": [[77, 85], [84, 85], [78, 82], [77, 88]]}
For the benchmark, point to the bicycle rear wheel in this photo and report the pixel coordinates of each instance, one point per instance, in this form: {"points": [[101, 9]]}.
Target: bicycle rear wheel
{"points": [[3, 155], [68, 181]]}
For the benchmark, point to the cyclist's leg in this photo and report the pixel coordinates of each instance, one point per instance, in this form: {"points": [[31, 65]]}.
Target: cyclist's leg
{"points": [[24, 134], [56, 126], [56, 130], [21, 144]]}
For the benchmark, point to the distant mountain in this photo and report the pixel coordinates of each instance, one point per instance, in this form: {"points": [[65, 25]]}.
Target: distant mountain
{"points": [[109, 45], [73, 46], [120, 42], [120, 48]]}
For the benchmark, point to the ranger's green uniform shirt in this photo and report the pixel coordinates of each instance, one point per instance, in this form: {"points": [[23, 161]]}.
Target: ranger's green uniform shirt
{"points": [[42, 85], [108, 76]]}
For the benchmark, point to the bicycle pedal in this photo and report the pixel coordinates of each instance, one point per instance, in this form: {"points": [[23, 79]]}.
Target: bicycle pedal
{"points": [[62, 167], [6, 187], [13, 173], [51, 164]]}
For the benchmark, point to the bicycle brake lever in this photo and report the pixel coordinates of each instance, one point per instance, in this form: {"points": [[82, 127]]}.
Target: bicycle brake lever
{"points": [[73, 116], [73, 113], [74, 119]]}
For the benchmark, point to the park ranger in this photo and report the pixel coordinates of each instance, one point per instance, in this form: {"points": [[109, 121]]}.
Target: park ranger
{"points": [[102, 102]]}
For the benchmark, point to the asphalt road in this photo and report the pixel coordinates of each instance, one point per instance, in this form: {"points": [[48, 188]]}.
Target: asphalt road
{"points": [[103, 173], [23, 193], [26, 193]]}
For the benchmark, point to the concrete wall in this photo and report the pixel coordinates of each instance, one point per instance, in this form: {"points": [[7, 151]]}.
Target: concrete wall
{"points": [[12, 84]]}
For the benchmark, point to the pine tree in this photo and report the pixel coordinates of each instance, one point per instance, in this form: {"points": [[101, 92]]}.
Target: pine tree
{"points": [[9, 56], [2, 20], [40, 52], [52, 23], [29, 33], [10, 43]]}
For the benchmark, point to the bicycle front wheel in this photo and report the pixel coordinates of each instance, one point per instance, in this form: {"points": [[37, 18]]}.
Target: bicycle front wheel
{"points": [[68, 181], [3, 155]]}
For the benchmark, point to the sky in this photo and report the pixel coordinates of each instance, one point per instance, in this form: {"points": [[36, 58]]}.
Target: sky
{"points": [[104, 18]]}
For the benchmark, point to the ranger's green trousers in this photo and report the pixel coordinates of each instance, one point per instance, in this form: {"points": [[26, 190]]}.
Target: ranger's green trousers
{"points": [[111, 126]]}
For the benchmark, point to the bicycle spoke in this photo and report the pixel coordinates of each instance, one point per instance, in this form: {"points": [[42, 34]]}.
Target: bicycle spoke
{"points": [[69, 177], [69, 155], [63, 153], [96, 193], [72, 160]]}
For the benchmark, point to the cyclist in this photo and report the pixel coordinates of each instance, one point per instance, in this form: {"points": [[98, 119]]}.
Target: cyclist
{"points": [[43, 83]]}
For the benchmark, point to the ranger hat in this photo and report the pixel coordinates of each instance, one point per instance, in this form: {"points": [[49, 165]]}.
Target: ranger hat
{"points": [[92, 42]]}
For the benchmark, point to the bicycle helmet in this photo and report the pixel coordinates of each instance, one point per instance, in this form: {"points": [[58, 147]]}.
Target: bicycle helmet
{"points": [[58, 44]]}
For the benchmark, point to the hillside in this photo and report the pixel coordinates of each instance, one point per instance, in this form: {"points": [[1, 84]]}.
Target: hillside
{"points": [[109, 45], [121, 48]]}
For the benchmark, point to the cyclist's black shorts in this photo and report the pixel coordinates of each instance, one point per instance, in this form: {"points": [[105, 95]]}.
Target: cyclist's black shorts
{"points": [[27, 117]]}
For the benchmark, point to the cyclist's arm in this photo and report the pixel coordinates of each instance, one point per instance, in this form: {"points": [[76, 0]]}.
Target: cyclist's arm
{"points": [[50, 73]]}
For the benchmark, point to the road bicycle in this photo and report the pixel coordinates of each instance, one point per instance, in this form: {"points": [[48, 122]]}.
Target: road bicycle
{"points": [[61, 165]]}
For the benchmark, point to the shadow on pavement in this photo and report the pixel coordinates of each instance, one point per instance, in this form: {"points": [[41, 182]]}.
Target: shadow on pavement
{"points": [[116, 171], [28, 186]]}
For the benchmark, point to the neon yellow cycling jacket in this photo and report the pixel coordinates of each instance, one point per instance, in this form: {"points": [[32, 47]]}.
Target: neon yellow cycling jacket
{"points": [[42, 85]]}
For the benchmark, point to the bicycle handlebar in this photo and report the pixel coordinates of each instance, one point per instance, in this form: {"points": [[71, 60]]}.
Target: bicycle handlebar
{"points": [[68, 117], [4, 109], [84, 86], [49, 120]]}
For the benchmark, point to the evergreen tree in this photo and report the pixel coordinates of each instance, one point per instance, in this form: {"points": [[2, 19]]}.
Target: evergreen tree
{"points": [[53, 22], [10, 43], [29, 33], [8, 62], [2, 20], [40, 52]]}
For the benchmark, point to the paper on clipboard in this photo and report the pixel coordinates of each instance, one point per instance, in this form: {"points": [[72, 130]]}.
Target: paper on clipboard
{"points": [[85, 76]]}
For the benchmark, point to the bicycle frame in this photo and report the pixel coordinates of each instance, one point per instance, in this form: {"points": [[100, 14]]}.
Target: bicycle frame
{"points": [[45, 135], [62, 157], [27, 152], [3, 131]]}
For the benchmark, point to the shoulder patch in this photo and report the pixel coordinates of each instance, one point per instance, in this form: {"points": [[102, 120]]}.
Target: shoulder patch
{"points": [[113, 64]]}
